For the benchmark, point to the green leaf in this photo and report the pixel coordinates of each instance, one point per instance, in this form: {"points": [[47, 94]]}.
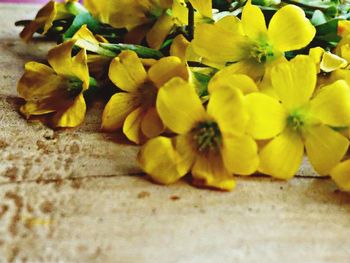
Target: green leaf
{"points": [[80, 20]]}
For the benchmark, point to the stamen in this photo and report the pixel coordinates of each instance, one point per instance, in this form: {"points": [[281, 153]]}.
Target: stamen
{"points": [[207, 136], [296, 121], [262, 52]]}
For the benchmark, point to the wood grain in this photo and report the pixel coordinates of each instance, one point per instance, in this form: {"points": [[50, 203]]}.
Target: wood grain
{"points": [[78, 196]]}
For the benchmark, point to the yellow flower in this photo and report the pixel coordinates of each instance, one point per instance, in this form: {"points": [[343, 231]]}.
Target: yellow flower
{"points": [[341, 175], [57, 89], [298, 118], [151, 18], [44, 19], [134, 108], [248, 43], [211, 143]]}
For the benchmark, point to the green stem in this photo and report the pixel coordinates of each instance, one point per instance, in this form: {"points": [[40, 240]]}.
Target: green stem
{"points": [[303, 5], [143, 52]]}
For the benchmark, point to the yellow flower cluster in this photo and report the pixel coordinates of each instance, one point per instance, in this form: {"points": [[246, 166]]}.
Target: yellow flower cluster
{"points": [[226, 102]]}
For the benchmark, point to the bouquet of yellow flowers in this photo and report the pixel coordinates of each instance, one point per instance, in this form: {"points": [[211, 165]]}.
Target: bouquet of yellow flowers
{"points": [[208, 88]]}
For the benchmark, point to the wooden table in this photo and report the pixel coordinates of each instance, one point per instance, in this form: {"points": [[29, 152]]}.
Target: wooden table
{"points": [[78, 196]]}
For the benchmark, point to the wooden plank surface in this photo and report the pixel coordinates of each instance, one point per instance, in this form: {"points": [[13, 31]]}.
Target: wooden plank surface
{"points": [[78, 196]]}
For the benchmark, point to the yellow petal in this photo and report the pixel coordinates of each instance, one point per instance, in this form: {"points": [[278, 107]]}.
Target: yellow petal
{"points": [[152, 125], [331, 62], [43, 19], [211, 172], [73, 116], [38, 82], [332, 104], [249, 67], [289, 29], [60, 58], [267, 116], [127, 72], [221, 42], [85, 34], [80, 68], [179, 106], [224, 78], [121, 13], [294, 81], [179, 12], [204, 7], [35, 108], [281, 158], [240, 154], [156, 36], [341, 175], [345, 52], [226, 106], [166, 69], [158, 159], [132, 126], [253, 22], [117, 109], [316, 54], [325, 148], [179, 47], [186, 153]]}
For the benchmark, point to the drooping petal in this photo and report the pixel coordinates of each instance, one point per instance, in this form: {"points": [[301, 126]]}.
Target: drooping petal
{"points": [[282, 157], [151, 124], [73, 116], [341, 175], [240, 154], [221, 42], [158, 159], [224, 78], [332, 104], [227, 107], [127, 72], [156, 36], [294, 81], [289, 29], [38, 82], [43, 19], [166, 69], [117, 109], [132, 126], [34, 108], [204, 7], [253, 22], [325, 148], [186, 153], [267, 116], [179, 106], [211, 172]]}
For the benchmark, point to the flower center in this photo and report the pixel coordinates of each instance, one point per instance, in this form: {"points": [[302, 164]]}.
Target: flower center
{"points": [[207, 136], [262, 52], [148, 94], [296, 121], [74, 86]]}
